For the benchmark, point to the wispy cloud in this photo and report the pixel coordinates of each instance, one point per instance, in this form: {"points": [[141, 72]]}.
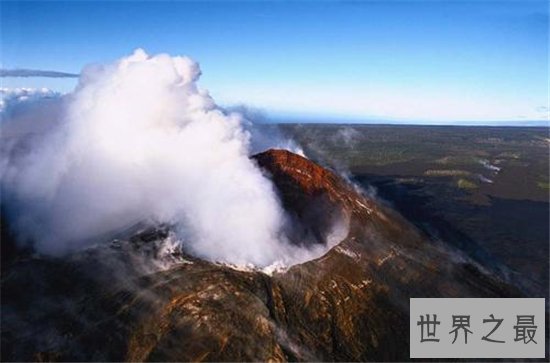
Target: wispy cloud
{"points": [[35, 73]]}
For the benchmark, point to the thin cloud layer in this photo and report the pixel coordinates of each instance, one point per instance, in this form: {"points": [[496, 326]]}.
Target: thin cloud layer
{"points": [[35, 73]]}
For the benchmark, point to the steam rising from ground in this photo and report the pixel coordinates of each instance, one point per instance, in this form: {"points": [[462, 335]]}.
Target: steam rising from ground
{"points": [[138, 140]]}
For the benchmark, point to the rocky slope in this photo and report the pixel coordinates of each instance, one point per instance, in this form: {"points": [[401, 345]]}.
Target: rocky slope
{"points": [[350, 304]]}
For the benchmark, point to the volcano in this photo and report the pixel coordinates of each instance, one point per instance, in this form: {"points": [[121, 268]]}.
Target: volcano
{"points": [[350, 304]]}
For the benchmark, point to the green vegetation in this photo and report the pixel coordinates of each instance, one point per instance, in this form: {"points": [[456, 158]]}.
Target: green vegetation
{"points": [[464, 159], [509, 155], [466, 184], [446, 172]]}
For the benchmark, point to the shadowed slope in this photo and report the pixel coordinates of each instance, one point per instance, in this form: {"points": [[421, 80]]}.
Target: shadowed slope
{"points": [[350, 304]]}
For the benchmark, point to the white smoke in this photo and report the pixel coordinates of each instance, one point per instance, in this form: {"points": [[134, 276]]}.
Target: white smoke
{"points": [[138, 140], [349, 136], [263, 134]]}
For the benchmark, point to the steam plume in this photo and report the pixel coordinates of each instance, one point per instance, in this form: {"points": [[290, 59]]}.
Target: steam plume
{"points": [[138, 140]]}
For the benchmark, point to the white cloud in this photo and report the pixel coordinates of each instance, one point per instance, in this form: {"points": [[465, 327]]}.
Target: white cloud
{"points": [[10, 98]]}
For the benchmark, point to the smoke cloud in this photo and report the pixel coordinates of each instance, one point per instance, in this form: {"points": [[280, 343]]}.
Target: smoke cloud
{"points": [[138, 140]]}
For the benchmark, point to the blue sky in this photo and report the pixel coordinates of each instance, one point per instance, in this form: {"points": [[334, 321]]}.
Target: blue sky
{"points": [[416, 61]]}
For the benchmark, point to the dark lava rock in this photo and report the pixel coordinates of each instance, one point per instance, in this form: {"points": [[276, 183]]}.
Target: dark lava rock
{"points": [[351, 304]]}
